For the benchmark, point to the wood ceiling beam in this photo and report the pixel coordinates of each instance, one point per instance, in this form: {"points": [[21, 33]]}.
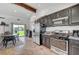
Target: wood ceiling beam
{"points": [[26, 7]]}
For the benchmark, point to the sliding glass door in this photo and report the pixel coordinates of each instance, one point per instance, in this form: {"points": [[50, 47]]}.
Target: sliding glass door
{"points": [[19, 30]]}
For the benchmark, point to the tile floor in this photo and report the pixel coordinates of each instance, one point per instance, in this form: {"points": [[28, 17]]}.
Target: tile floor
{"points": [[25, 46]]}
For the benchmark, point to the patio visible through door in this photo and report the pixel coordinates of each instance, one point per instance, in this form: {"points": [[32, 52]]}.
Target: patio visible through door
{"points": [[19, 30]]}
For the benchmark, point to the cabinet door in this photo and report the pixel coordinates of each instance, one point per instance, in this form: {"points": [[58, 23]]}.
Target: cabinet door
{"points": [[44, 40], [45, 20], [70, 16], [41, 21], [75, 14], [55, 15], [73, 47], [48, 42], [49, 21], [63, 13]]}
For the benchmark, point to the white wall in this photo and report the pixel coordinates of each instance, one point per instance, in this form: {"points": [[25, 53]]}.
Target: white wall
{"points": [[12, 19]]}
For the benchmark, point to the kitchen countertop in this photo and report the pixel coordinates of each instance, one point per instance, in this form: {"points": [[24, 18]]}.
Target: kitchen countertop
{"points": [[73, 38], [48, 34]]}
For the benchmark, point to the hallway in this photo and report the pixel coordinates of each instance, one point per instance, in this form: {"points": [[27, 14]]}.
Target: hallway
{"points": [[26, 47]]}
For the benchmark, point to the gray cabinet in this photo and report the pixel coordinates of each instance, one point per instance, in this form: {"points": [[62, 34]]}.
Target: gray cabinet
{"points": [[63, 13], [55, 15], [73, 47], [60, 17], [71, 12], [75, 14], [46, 41], [48, 19]]}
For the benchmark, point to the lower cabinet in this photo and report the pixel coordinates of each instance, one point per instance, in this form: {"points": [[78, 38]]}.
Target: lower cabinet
{"points": [[73, 47], [46, 41]]}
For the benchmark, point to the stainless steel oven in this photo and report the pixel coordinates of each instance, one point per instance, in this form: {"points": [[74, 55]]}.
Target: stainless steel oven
{"points": [[59, 43], [60, 46]]}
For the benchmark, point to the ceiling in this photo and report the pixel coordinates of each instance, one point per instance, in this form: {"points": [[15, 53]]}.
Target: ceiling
{"points": [[43, 6], [12, 10], [48, 8]]}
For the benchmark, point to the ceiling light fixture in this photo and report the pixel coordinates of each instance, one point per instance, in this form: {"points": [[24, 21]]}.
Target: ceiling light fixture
{"points": [[18, 19]]}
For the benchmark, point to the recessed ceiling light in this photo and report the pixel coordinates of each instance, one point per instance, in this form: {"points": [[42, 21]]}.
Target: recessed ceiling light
{"points": [[18, 19]]}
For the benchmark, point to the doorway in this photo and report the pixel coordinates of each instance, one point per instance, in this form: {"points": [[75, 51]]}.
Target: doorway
{"points": [[19, 30]]}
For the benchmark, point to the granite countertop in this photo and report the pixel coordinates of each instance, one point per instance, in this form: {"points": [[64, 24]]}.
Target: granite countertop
{"points": [[54, 35], [73, 38], [48, 34]]}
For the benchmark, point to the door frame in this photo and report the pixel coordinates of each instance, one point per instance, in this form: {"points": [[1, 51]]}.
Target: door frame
{"points": [[18, 24]]}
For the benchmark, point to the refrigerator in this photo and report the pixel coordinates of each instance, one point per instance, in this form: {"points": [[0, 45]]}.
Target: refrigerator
{"points": [[36, 33]]}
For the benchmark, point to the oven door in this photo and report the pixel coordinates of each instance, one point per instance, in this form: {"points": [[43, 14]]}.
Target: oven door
{"points": [[59, 46]]}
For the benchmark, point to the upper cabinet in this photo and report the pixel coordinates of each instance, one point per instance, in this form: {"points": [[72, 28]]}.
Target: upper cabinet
{"points": [[61, 18], [63, 13], [54, 16], [75, 14], [68, 16]]}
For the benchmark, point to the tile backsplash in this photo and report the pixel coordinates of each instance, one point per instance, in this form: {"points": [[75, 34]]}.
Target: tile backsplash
{"points": [[70, 28]]}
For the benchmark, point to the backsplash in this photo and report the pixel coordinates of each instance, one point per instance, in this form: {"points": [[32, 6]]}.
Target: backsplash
{"points": [[70, 28]]}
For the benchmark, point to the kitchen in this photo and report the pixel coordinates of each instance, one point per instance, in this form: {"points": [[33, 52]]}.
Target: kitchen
{"points": [[59, 31]]}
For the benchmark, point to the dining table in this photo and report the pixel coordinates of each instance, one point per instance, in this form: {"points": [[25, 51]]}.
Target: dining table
{"points": [[8, 38]]}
